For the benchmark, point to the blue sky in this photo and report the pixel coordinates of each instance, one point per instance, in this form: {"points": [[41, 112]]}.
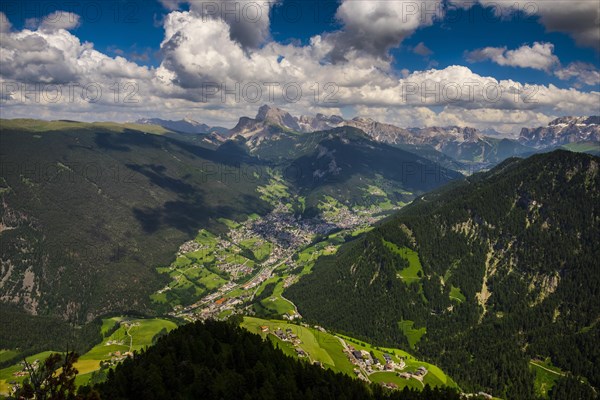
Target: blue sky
{"points": [[553, 46], [133, 27], [130, 25]]}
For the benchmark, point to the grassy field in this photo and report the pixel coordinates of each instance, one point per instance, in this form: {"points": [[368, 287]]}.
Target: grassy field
{"points": [[259, 247], [434, 377], [108, 324], [287, 348], [375, 191], [278, 305], [275, 304], [360, 231], [132, 335], [229, 223], [328, 349], [330, 207], [308, 256], [456, 294], [413, 335], [320, 346], [545, 376], [6, 374], [396, 354], [414, 271], [7, 354], [274, 192], [262, 286], [584, 147], [391, 377]]}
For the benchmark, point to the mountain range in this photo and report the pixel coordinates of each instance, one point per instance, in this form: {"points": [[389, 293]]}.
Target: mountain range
{"points": [[464, 145], [562, 131], [185, 125], [91, 212], [175, 181]]}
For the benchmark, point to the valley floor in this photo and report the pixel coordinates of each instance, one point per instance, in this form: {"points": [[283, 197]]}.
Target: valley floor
{"points": [[215, 276]]}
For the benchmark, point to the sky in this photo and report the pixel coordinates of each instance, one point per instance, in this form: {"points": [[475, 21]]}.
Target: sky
{"points": [[488, 64]]}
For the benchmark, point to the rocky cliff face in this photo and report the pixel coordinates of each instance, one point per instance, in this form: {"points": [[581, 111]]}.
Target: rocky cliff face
{"points": [[382, 132], [465, 144], [269, 124], [277, 116], [562, 131], [378, 131]]}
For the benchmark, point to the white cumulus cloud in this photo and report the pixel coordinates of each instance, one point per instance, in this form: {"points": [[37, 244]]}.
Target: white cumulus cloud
{"points": [[249, 20], [375, 27], [538, 56], [55, 21], [583, 73], [197, 50]]}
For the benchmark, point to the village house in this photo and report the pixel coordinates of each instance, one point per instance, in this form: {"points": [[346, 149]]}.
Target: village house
{"points": [[389, 385]]}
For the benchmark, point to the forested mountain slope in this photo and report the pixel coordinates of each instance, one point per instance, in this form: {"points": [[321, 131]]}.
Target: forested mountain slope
{"points": [[89, 210], [488, 273], [343, 162]]}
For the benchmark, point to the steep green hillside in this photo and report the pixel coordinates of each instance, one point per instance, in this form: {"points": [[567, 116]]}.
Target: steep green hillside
{"points": [[333, 351], [509, 274], [119, 336], [88, 211], [218, 360]]}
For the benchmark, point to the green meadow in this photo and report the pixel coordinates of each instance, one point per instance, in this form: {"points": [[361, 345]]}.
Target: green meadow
{"points": [[7, 374], [392, 377], [327, 348], [545, 376], [195, 273], [413, 335], [7, 354], [136, 335], [414, 271], [274, 304], [319, 346], [434, 377], [456, 294]]}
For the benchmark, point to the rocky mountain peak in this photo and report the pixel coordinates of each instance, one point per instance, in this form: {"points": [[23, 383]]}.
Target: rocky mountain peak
{"points": [[562, 131], [363, 120], [592, 120], [277, 116]]}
